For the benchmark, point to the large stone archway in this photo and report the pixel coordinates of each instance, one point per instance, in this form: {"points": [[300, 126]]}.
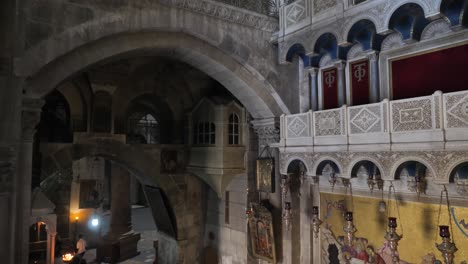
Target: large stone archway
{"points": [[221, 53], [142, 163]]}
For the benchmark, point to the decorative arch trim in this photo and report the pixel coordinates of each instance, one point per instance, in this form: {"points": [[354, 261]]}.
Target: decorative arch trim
{"points": [[398, 163], [366, 158], [322, 159]]}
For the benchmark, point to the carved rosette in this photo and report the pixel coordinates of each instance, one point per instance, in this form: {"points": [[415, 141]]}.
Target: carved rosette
{"points": [[7, 168], [30, 117]]}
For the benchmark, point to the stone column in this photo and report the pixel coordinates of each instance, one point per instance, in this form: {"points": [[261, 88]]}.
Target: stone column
{"points": [[51, 248], [340, 66], [305, 207], [374, 76], [313, 72], [304, 91], [121, 221], [30, 118]]}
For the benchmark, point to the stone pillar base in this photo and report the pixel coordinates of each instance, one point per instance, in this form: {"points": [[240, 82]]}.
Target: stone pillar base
{"points": [[118, 249]]}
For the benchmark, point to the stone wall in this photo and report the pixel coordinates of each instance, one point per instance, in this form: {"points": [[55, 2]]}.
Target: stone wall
{"points": [[230, 239]]}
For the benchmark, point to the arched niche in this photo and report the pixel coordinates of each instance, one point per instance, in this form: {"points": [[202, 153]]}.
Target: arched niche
{"points": [[365, 170], [458, 179], [409, 20], [454, 11], [414, 173]]}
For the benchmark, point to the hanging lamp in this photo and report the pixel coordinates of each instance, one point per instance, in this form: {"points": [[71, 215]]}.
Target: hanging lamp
{"points": [[316, 222], [349, 228], [447, 247], [391, 236]]}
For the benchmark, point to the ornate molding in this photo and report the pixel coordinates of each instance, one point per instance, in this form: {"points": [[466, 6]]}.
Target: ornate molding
{"points": [[7, 168], [267, 135], [228, 13], [392, 41], [436, 29], [30, 117], [439, 163]]}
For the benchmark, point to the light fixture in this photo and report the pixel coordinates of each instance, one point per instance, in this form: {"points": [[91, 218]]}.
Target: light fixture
{"points": [[316, 222], [392, 238], [346, 182], [287, 215], [332, 180], [94, 221], [285, 185], [382, 204], [374, 180], [391, 235], [447, 247], [349, 228]]}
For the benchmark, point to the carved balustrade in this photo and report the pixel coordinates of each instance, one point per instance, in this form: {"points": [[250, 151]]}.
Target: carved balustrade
{"points": [[435, 119]]}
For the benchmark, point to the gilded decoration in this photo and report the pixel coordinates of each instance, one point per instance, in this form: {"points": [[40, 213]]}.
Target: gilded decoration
{"points": [[261, 234], [265, 175]]}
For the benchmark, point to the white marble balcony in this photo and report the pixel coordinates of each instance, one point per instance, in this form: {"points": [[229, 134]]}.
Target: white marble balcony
{"points": [[437, 121]]}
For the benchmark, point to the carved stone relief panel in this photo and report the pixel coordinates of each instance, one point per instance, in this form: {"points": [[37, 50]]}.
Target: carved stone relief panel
{"points": [[329, 123], [412, 115], [365, 119], [295, 13], [456, 109], [298, 126], [322, 5]]}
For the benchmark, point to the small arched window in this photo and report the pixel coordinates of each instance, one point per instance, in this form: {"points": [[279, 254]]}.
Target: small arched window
{"points": [[144, 127], [204, 133], [233, 132]]}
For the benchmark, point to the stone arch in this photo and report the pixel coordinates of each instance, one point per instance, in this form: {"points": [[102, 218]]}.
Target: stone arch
{"points": [[129, 157], [397, 164], [297, 49], [451, 166], [351, 24], [55, 59], [327, 43], [355, 161], [430, 8], [284, 170], [325, 158]]}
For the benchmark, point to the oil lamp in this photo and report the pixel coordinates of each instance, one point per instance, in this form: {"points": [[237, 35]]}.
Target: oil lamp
{"points": [[287, 215], [332, 180], [392, 238], [349, 228], [285, 184], [447, 247], [316, 222]]}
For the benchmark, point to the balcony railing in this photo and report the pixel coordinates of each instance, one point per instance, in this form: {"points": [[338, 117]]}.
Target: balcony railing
{"points": [[435, 118]]}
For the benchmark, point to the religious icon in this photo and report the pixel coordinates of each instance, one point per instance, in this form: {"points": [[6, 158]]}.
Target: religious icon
{"points": [[265, 175], [261, 234]]}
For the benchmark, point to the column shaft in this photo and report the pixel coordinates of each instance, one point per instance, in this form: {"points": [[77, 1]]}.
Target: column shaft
{"points": [[121, 214], [340, 65], [313, 72], [31, 115], [374, 76]]}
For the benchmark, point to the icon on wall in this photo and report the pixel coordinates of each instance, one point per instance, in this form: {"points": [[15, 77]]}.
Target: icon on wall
{"points": [[265, 175]]}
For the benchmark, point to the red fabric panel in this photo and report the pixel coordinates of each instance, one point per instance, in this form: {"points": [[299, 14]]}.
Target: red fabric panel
{"points": [[445, 70], [330, 88], [360, 82]]}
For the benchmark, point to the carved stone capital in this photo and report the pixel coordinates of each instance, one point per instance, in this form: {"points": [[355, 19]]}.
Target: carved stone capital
{"points": [[30, 117], [340, 65], [7, 168], [373, 56], [267, 131], [313, 72]]}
